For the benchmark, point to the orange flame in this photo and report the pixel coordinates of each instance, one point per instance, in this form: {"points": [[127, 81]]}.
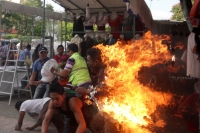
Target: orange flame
{"points": [[128, 101]]}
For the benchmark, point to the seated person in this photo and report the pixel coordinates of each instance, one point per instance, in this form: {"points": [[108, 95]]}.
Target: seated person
{"points": [[69, 106], [37, 108], [42, 89]]}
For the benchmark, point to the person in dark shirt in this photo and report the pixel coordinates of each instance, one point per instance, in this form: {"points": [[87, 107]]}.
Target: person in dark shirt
{"points": [[94, 120], [69, 106], [96, 69]]}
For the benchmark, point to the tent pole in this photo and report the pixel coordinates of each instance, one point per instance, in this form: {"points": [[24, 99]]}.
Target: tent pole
{"points": [[43, 24], [61, 32], [0, 19], [66, 32], [32, 28], [134, 27], [53, 37]]}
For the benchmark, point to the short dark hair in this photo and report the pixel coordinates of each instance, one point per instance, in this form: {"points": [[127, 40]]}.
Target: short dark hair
{"points": [[56, 88], [73, 47], [60, 46], [28, 46], [94, 53], [18, 104]]}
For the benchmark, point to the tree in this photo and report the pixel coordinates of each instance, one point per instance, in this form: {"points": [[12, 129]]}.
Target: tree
{"points": [[181, 11], [49, 7], [177, 13], [24, 23]]}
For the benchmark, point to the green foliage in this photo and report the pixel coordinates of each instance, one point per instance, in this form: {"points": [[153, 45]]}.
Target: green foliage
{"points": [[67, 30], [49, 7], [24, 23], [10, 36], [33, 3], [177, 12]]}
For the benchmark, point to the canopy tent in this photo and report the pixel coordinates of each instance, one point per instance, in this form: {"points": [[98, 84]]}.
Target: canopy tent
{"points": [[137, 7]]}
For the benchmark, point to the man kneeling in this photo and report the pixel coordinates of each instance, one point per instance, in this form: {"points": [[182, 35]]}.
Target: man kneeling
{"points": [[37, 108], [69, 106]]}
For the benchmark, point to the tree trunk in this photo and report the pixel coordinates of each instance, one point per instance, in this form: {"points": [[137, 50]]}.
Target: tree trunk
{"points": [[186, 6]]}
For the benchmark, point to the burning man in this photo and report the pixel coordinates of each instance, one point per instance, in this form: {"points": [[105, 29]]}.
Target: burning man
{"points": [[94, 119]]}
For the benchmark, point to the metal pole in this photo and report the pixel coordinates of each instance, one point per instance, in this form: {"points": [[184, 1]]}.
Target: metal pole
{"points": [[32, 28], [43, 24], [65, 35], [134, 27], [53, 37], [61, 33], [0, 19]]}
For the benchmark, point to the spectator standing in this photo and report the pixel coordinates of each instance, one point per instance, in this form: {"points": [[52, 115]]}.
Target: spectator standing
{"points": [[23, 54], [61, 58]]}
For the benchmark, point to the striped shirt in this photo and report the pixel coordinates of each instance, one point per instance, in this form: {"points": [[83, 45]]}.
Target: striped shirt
{"points": [[70, 63]]}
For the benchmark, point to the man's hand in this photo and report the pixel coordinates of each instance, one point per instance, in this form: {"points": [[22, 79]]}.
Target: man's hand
{"points": [[36, 83], [29, 84], [17, 127], [52, 69], [82, 90]]}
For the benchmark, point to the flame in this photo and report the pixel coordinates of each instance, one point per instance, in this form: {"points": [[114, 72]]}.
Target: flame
{"points": [[129, 102]]}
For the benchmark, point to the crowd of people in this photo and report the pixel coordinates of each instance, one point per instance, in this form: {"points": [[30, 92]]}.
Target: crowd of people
{"points": [[63, 104]]}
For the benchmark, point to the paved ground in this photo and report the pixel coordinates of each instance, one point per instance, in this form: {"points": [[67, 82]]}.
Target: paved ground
{"points": [[9, 116]]}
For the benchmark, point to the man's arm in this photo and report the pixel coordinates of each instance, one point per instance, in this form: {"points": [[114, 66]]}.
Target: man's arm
{"points": [[75, 105], [20, 120], [64, 73], [32, 78], [48, 117], [32, 127]]}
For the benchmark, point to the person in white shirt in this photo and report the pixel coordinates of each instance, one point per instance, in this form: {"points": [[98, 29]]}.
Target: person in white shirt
{"points": [[37, 108]]}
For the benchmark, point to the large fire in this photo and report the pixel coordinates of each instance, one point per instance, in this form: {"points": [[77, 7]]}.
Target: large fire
{"points": [[129, 102]]}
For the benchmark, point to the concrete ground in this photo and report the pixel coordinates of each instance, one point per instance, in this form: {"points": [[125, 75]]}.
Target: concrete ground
{"points": [[9, 116]]}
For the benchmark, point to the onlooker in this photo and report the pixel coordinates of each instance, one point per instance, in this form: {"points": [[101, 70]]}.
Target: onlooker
{"points": [[42, 89], [35, 54], [69, 106], [23, 54], [60, 57], [4, 51], [37, 108], [76, 69]]}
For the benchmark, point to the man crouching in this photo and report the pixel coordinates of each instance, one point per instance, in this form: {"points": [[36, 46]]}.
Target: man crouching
{"points": [[69, 106], [37, 108]]}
